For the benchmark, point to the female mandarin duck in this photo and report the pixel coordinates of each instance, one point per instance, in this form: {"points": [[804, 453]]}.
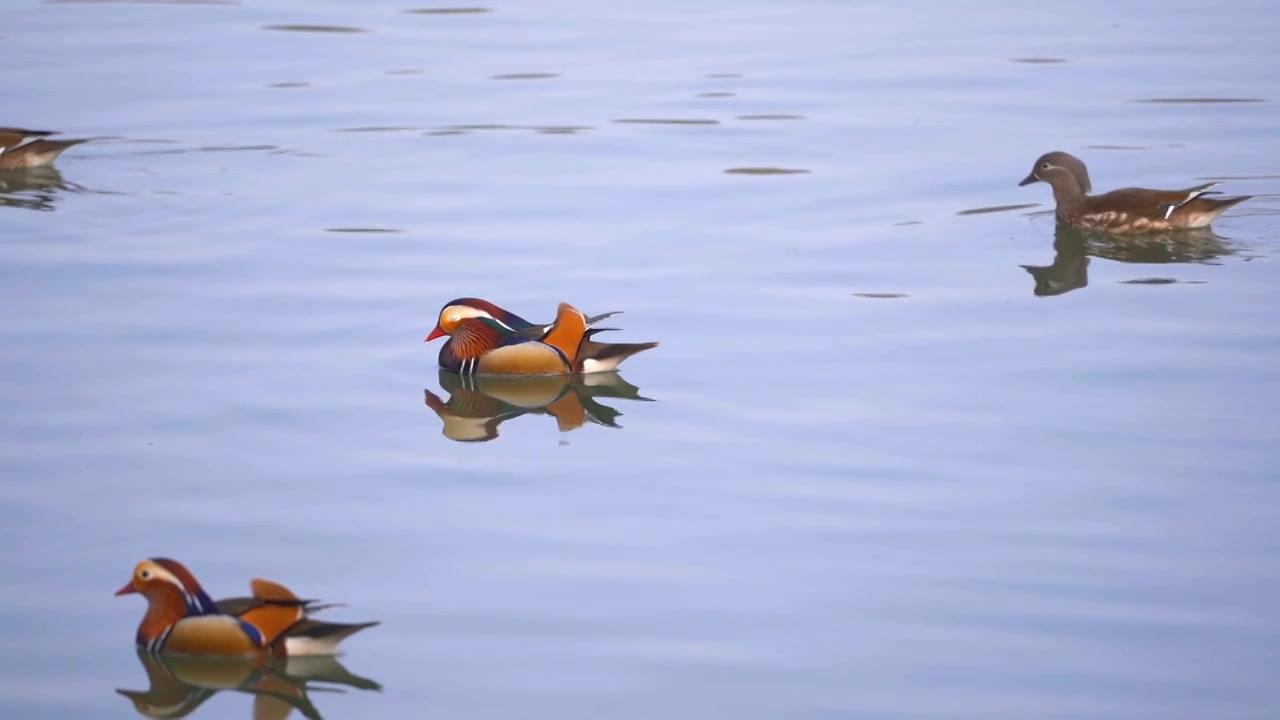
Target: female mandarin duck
{"points": [[488, 340], [1128, 210], [181, 618], [20, 148]]}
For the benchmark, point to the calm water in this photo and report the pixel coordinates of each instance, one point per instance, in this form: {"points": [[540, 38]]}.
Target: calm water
{"points": [[903, 453]]}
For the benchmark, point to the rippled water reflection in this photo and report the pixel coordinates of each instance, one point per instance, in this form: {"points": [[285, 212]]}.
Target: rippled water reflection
{"points": [[906, 449]]}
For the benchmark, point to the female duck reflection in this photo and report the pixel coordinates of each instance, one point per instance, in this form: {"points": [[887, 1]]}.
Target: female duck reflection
{"points": [[181, 683], [1073, 248], [478, 404]]}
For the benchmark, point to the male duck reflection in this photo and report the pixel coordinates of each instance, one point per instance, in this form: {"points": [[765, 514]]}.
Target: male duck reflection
{"points": [[181, 618], [179, 684], [21, 149], [485, 339], [478, 405], [1128, 210]]}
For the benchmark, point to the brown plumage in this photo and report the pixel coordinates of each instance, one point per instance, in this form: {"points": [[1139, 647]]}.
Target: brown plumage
{"points": [[1128, 210], [21, 149]]}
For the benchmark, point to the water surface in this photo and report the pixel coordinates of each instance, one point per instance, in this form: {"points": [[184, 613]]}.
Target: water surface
{"points": [[905, 450]]}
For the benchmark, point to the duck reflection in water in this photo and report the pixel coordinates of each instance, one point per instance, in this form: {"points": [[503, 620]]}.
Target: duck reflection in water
{"points": [[1073, 248], [477, 405], [181, 683], [34, 189]]}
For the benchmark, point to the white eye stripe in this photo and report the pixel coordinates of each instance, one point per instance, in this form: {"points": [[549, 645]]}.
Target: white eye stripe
{"points": [[457, 313], [159, 573]]}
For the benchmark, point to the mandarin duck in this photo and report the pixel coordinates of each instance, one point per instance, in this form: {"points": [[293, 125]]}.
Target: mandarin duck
{"points": [[181, 618], [487, 340], [21, 149], [1128, 210]]}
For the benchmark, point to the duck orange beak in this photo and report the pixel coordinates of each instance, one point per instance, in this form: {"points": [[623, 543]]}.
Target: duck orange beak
{"points": [[128, 588], [438, 332]]}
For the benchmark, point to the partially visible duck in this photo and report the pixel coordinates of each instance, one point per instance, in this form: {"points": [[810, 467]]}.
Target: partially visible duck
{"points": [[1128, 210], [475, 307], [21, 148]]}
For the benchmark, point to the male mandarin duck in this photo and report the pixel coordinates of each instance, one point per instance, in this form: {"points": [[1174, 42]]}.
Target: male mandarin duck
{"points": [[21, 149], [1128, 210], [181, 618], [488, 340]]}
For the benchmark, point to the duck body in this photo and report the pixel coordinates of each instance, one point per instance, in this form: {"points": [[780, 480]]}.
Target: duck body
{"points": [[485, 339], [483, 346], [181, 618], [22, 149], [1127, 210]]}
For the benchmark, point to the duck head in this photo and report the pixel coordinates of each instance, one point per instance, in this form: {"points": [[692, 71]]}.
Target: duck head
{"points": [[172, 593], [1061, 170], [455, 311]]}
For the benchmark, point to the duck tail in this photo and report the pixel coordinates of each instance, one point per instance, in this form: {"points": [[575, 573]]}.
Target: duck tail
{"points": [[320, 638], [606, 357]]}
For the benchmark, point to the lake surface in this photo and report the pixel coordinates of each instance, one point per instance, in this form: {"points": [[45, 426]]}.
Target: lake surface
{"points": [[904, 452]]}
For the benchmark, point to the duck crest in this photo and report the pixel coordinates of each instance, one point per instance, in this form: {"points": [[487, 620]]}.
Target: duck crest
{"points": [[502, 315], [197, 600]]}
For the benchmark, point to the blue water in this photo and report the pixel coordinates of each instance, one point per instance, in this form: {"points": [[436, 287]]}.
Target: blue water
{"points": [[876, 467]]}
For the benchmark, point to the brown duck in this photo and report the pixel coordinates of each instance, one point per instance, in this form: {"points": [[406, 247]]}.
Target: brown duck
{"points": [[21, 149], [1128, 210]]}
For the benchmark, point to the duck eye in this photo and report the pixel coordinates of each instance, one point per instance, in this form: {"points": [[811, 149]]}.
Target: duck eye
{"points": [[145, 574], [1044, 165]]}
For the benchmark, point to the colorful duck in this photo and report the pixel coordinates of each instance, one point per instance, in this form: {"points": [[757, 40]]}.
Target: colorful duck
{"points": [[1128, 210], [181, 618], [488, 340], [21, 149]]}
